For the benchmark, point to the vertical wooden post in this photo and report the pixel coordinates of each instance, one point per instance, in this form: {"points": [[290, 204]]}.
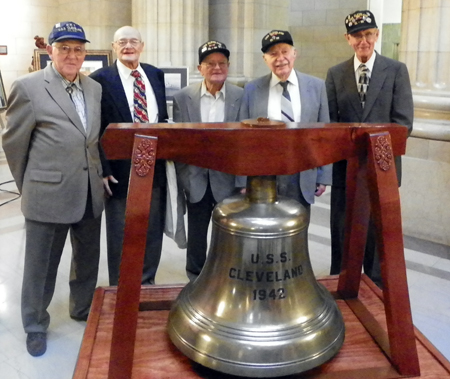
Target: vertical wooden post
{"points": [[385, 200], [135, 236], [356, 226]]}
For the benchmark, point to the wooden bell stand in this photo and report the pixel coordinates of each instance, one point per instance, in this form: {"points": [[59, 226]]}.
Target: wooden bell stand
{"points": [[126, 337]]}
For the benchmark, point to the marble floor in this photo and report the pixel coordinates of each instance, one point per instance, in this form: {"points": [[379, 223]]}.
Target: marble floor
{"points": [[428, 277]]}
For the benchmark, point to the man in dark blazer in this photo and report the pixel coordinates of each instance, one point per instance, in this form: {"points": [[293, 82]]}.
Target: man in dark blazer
{"points": [[118, 105], [51, 144], [262, 98], [386, 98], [212, 100]]}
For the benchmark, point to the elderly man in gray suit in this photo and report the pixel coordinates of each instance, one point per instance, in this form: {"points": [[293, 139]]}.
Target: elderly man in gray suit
{"points": [[52, 148], [291, 96], [212, 100], [366, 88]]}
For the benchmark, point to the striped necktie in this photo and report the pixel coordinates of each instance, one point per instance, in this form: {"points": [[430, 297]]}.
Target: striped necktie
{"points": [[363, 83], [287, 114], [139, 98]]}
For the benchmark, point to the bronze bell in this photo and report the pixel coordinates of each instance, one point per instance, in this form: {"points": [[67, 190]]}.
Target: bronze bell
{"points": [[256, 309]]}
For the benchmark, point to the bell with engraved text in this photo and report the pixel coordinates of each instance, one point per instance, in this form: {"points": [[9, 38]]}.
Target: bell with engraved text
{"points": [[256, 309]]}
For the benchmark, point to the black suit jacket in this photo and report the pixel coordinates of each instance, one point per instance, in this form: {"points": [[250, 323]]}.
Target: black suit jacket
{"points": [[115, 109], [388, 100]]}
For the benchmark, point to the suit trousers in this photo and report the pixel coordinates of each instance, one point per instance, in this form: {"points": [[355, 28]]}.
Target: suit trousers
{"points": [[199, 217], [44, 246], [371, 261], [115, 223]]}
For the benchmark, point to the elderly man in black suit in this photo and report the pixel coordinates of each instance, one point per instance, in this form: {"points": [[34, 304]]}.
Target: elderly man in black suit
{"points": [[132, 92], [366, 88]]}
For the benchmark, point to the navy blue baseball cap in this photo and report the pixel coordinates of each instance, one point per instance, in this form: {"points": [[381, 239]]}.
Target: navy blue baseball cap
{"points": [[212, 47], [66, 30], [359, 21], [274, 37]]}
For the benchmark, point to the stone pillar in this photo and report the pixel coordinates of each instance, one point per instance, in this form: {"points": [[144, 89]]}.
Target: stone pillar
{"points": [[241, 24], [172, 31], [425, 48]]}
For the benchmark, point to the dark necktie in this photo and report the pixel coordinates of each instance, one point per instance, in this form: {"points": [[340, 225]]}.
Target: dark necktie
{"points": [[363, 83], [287, 114], [139, 98]]}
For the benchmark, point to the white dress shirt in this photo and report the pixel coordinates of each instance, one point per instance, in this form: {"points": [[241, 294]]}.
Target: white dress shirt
{"points": [[275, 93], [128, 83], [369, 64], [212, 107]]}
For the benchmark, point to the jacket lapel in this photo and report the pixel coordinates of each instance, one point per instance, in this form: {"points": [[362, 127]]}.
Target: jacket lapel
{"points": [[193, 103], [89, 102], [231, 104], [375, 86], [61, 97], [119, 99], [348, 83], [261, 96], [160, 92], [303, 86]]}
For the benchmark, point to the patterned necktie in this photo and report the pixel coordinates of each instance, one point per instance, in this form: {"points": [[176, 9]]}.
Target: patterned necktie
{"points": [[287, 114], [78, 100], [363, 83], [139, 98]]}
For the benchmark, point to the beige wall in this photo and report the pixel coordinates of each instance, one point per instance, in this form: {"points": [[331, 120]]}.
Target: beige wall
{"points": [[21, 20], [318, 29]]}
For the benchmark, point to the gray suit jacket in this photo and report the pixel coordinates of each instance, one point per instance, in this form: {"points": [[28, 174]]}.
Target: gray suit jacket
{"points": [[388, 100], [52, 158], [193, 179], [314, 109]]}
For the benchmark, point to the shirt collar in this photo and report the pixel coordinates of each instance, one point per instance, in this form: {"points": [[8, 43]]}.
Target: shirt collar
{"points": [[292, 79], [205, 92], [125, 71], [66, 82], [369, 64]]}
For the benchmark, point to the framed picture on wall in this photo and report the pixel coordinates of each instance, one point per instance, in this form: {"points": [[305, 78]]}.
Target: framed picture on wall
{"points": [[3, 100], [94, 60], [175, 78]]}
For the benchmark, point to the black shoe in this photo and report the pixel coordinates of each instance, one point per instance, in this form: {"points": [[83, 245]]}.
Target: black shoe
{"points": [[36, 343], [77, 318]]}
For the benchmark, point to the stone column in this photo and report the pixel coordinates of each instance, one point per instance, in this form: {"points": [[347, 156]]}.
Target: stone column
{"points": [[425, 48], [241, 24], [172, 31]]}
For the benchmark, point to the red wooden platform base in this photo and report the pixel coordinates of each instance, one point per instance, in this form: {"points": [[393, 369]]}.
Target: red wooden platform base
{"points": [[155, 357]]}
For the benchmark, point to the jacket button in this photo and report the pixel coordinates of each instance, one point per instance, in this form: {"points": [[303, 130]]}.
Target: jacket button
{"points": [[85, 168]]}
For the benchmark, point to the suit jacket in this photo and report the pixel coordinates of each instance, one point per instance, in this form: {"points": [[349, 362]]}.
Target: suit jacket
{"points": [[314, 109], [51, 156], [115, 109], [193, 179], [388, 100]]}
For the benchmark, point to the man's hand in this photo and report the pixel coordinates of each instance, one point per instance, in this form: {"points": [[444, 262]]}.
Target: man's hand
{"points": [[320, 189], [106, 181]]}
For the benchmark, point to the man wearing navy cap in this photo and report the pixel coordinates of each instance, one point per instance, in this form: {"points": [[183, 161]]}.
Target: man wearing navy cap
{"points": [[291, 96], [366, 88], [212, 100], [52, 148]]}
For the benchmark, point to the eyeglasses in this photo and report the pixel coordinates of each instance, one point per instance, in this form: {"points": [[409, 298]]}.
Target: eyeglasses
{"points": [[65, 50], [124, 42], [212, 65], [360, 36]]}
